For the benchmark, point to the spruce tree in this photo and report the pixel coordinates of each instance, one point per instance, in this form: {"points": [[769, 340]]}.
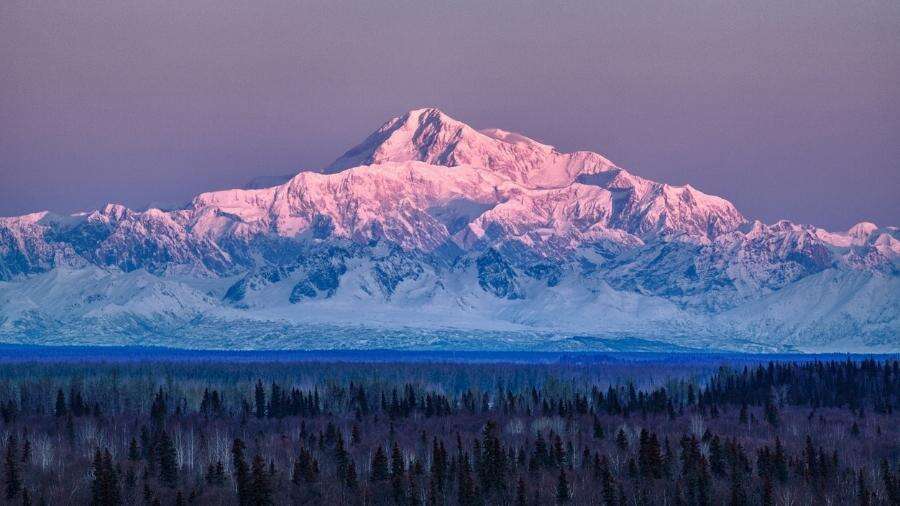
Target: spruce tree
{"points": [[465, 483], [105, 487], [521, 497], [97, 486], [771, 412], [215, 474], [260, 490], [768, 494], [241, 472], [341, 458], [380, 465], [11, 468], [541, 455], [398, 474], [890, 483], [260, 398], [158, 410], [609, 491], [412, 492], [779, 461], [351, 480], [562, 488], [130, 478], [26, 449], [309, 466], [168, 463], [493, 459], [598, 429], [738, 496], [134, 453], [622, 440], [862, 490], [438, 465], [220, 473], [716, 456], [70, 429], [649, 457]]}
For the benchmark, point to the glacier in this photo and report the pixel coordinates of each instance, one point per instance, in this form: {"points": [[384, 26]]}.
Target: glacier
{"points": [[430, 234]]}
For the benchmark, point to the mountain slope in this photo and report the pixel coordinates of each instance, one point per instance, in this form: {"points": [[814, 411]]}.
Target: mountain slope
{"points": [[430, 227]]}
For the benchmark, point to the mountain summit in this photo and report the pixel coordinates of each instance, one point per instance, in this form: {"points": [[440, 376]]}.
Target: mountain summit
{"points": [[641, 206], [431, 233], [430, 136]]}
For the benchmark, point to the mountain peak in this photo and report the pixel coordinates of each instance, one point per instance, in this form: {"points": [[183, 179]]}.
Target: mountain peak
{"points": [[418, 135], [415, 119], [429, 135], [862, 229], [432, 112]]}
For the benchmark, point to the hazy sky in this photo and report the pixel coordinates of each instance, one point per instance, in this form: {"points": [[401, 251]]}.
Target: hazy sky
{"points": [[790, 109]]}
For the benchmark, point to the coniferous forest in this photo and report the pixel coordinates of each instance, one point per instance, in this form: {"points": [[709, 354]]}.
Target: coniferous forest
{"points": [[606, 430]]}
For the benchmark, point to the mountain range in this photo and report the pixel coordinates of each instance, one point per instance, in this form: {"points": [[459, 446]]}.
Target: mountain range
{"points": [[432, 234]]}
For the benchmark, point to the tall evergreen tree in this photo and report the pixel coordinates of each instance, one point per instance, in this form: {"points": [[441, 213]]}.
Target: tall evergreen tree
{"points": [[60, 410], [26, 449], [562, 488], [771, 412], [622, 440], [398, 474], [306, 468], [768, 494], [438, 465], [260, 490], [351, 480], [863, 496], [158, 409], [492, 460], [608, 486], [521, 494], [380, 465], [105, 487], [11, 468], [465, 483], [598, 429], [168, 463], [260, 398], [134, 453], [241, 472], [779, 461], [649, 457], [738, 496], [341, 458], [890, 484]]}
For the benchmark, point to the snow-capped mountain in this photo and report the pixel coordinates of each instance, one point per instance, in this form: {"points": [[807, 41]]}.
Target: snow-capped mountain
{"points": [[430, 233]]}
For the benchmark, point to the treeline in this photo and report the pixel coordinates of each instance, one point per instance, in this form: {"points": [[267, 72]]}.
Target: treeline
{"points": [[851, 384], [776, 433], [511, 389]]}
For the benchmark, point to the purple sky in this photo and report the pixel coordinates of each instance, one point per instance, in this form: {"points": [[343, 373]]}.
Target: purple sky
{"points": [[788, 109]]}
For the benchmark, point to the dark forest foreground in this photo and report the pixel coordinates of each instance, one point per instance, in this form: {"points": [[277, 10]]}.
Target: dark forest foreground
{"points": [[609, 430]]}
